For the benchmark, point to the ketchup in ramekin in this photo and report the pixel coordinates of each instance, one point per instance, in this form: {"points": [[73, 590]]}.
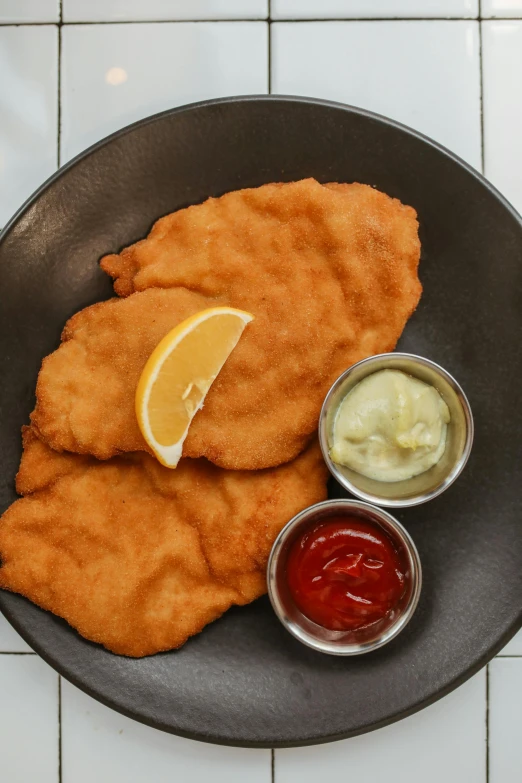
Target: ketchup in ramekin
{"points": [[345, 573]]}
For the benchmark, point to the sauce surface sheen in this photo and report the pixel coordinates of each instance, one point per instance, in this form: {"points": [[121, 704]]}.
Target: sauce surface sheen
{"points": [[345, 573]]}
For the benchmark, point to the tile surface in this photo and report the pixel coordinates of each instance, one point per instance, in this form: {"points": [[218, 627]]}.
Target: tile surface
{"points": [[29, 111], [425, 74], [444, 742], [106, 86], [502, 58], [369, 64], [154, 10], [501, 8], [345, 9], [101, 745], [10, 641], [505, 721], [28, 720], [12, 11]]}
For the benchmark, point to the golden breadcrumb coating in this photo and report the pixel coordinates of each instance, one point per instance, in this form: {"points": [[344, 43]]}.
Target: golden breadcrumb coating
{"points": [[138, 557], [329, 273]]}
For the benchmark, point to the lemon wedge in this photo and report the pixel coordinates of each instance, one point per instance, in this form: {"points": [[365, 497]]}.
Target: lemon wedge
{"points": [[178, 375]]}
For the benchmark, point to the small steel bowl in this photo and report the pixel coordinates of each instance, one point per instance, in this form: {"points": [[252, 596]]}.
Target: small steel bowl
{"points": [[363, 640], [459, 438], [316, 636]]}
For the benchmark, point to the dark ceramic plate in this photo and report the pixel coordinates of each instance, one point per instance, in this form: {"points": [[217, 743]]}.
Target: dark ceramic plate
{"points": [[245, 680]]}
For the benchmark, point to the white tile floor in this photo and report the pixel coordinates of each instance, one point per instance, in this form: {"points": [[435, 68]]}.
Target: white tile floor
{"points": [[373, 62], [29, 111], [13, 11], [423, 71], [502, 8], [160, 10], [100, 745], [104, 85], [505, 720], [29, 727], [502, 60], [374, 9], [444, 742]]}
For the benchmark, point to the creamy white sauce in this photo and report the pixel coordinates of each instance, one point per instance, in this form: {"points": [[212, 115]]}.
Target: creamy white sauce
{"points": [[390, 427]]}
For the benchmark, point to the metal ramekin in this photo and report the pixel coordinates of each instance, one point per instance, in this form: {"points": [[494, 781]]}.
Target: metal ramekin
{"points": [[356, 642], [459, 439]]}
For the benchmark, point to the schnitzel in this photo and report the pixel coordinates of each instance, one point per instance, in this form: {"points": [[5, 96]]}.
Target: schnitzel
{"points": [[329, 273], [85, 389], [138, 557]]}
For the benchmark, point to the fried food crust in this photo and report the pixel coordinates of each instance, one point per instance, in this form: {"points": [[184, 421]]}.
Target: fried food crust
{"points": [[86, 389], [138, 557], [330, 275]]}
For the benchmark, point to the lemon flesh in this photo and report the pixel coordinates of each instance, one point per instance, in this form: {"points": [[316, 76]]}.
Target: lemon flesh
{"points": [[178, 375]]}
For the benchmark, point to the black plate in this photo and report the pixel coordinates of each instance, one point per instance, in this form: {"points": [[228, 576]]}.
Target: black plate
{"points": [[245, 680]]}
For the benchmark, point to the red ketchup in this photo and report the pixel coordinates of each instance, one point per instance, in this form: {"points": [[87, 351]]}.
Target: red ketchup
{"points": [[345, 573]]}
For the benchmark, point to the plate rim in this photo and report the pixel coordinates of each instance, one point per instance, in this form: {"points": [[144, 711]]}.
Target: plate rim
{"points": [[62, 669], [254, 98]]}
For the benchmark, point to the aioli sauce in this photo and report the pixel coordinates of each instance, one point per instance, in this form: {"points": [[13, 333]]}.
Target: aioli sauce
{"points": [[345, 573], [390, 427]]}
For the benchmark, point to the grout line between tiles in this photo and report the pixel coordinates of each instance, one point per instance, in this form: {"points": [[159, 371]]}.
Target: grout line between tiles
{"points": [[508, 656], [279, 21], [272, 765], [283, 21], [28, 24], [381, 19], [269, 47], [17, 653], [487, 723], [59, 729], [264, 19], [481, 77], [59, 119], [132, 21]]}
